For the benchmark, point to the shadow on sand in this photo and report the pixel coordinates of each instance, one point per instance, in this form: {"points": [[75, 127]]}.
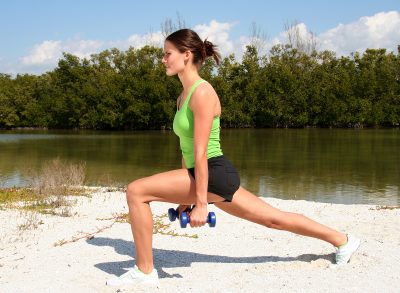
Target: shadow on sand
{"points": [[174, 258]]}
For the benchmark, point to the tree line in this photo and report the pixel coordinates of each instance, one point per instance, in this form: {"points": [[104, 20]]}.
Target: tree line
{"points": [[128, 90]]}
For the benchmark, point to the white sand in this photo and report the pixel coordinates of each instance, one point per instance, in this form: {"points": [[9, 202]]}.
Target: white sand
{"points": [[236, 256]]}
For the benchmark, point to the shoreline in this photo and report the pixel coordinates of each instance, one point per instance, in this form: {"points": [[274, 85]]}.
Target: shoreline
{"points": [[169, 129], [388, 201], [235, 256]]}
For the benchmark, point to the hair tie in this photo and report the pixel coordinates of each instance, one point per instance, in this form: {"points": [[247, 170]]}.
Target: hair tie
{"points": [[208, 48]]}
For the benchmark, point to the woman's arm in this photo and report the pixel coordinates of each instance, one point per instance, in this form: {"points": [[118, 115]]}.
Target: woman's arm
{"points": [[202, 105]]}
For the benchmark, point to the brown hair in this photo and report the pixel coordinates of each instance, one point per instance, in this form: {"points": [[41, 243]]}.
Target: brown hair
{"points": [[189, 40]]}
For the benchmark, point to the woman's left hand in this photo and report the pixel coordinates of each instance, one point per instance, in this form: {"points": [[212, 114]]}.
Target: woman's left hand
{"points": [[198, 216]]}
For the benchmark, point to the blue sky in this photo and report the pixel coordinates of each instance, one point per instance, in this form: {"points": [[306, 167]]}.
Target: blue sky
{"points": [[33, 34]]}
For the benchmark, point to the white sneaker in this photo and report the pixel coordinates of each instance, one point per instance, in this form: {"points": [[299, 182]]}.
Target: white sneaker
{"points": [[346, 250], [134, 276]]}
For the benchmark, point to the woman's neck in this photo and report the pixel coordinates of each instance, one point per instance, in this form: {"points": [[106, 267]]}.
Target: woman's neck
{"points": [[188, 78]]}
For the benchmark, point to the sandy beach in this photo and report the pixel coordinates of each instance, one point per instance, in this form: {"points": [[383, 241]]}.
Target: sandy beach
{"points": [[235, 256]]}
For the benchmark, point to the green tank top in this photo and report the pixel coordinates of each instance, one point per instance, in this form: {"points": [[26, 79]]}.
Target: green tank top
{"points": [[183, 127]]}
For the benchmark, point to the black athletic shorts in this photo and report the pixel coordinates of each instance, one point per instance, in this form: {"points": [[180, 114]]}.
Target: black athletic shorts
{"points": [[223, 179]]}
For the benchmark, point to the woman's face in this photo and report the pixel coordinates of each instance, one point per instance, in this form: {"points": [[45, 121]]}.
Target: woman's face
{"points": [[173, 60]]}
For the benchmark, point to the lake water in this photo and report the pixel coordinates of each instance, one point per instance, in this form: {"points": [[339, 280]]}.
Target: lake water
{"points": [[326, 165]]}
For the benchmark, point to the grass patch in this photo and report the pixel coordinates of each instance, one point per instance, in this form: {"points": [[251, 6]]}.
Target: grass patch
{"points": [[48, 189], [57, 205], [28, 199], [159, 225], [9, 195]]}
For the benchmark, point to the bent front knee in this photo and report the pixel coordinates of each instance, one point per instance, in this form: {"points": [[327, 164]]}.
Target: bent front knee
{"points": [[134, 192]]}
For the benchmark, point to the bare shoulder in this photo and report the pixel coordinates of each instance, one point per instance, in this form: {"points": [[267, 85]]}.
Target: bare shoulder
{"points": [[203, 95]]}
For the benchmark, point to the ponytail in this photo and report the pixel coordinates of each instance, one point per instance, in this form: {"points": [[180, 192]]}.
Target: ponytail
{"points": [[188, 40], [210, 50]]}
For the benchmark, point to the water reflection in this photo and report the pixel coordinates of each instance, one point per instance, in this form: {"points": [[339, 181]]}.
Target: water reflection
{"points": [[341, 166]]}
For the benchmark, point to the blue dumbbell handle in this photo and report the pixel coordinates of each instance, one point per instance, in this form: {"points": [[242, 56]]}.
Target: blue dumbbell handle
{"points": [[184, 219]]}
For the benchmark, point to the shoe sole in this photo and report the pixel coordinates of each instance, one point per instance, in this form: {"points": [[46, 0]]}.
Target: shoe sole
{"points": [[133, 283]]}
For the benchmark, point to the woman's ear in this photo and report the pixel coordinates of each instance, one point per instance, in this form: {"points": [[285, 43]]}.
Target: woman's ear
{"points": [[188, 55]]}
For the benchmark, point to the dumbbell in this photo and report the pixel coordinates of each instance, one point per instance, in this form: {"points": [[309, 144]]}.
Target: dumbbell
{"points": [[184, 218]]}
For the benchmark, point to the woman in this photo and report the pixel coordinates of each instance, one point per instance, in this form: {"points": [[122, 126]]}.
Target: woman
{"points": [[206, 175]]}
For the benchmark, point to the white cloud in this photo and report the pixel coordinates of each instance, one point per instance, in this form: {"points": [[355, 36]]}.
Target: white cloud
{"points": [[48, 52], [83, 48], [378, 31], [217, 33], [300, 29], [138, 41], [43, 53], [45, 56]]}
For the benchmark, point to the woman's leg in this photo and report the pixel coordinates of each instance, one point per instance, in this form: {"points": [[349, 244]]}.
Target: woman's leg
{"points": [[175, 186], [248, 206]]}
